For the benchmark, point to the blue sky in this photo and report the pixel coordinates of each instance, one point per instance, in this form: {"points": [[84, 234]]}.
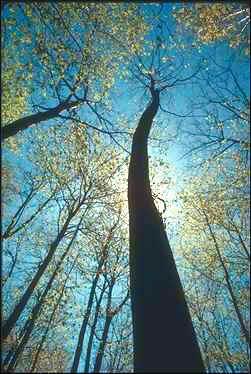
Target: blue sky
{"points": [[129, 100]]}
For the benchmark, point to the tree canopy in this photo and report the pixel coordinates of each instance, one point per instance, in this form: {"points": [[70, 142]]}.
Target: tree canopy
{"points": [[76, 78]]}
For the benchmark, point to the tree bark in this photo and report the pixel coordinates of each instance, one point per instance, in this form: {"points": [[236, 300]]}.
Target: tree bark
{"points": [[164, 338], [23, 123]]}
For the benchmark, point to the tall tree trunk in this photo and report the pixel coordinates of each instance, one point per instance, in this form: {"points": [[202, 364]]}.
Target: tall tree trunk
{"points": [[10, 323], [164, 338], [52, 318], [93, 328], [37, 308], [90, 301], [110, 313], [243, 328], [23, 123], [84, 324], [108, 320], [21, 345], [34, 364]]}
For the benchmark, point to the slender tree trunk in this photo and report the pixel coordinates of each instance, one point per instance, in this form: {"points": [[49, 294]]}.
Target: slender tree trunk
{"points": [[14, 261], [21, 346], [101, 349], [164, 338], [93, 328], [46, 331], [23, 123], [244, 330], [90, 302], [19, 213], [108, 320], [37, 308], [11, 230], [13, 349], [84, 325], [115, 354], [9, 355], [204, 339], [10, 323], [110, 313], [118, 367], [51, 319], [237, 231]]}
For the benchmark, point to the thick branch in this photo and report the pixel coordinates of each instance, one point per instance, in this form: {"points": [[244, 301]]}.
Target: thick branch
{"points": [[23, 123]]}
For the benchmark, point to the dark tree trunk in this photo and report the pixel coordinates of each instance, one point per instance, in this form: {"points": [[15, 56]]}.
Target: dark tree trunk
{"points": [[108, 320], [23, 123], [243, 328], [34, 364], [19, 213], [102, 345], [10, 354], [84, 326], [51, 319], [90, 301], [37, 308], [93, 328], [10, 323], [21, 346], [12, 229], [164, 338]]}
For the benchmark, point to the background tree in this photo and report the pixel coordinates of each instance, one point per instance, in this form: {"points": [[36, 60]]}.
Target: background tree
{"points": [[213, 22], [82, 75], [215, 244], [65, 67]]}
